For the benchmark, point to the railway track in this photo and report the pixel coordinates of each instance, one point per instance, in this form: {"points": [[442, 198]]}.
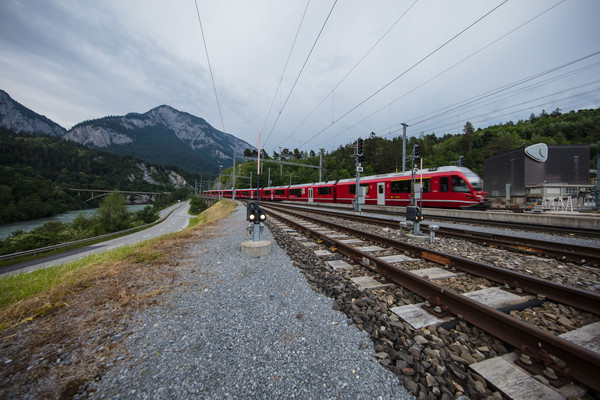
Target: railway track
{"points": [[577, 254], [533, 227], [576, 362]]}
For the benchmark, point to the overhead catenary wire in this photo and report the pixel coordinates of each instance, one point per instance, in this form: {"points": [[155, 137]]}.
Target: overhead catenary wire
{"points": [[456, 106], [529, 107], [300, 73], [478, 105], [285, 66], [351, 70], [209, 66], [405, 72], [459, 62]]}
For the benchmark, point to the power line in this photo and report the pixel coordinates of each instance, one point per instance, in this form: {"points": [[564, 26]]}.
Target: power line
{"points": [[352, 69], [463, 103], [209, 66], [512, 105], [468, 57], [406, 71], [300, 73], [449, 68], [536, 106], [285, 66]]}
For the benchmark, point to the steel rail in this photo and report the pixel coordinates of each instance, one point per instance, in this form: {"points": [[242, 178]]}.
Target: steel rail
{"points": [[574, 253], [397, 210], [582, 363], [582, 299]]}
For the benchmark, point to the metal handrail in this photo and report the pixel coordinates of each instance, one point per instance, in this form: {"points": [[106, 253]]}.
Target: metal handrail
{"points": [[82, 241]]}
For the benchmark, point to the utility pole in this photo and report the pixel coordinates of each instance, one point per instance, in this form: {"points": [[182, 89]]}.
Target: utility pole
{"points": [[219, 186], [359, 197], [233, 185], [320, 165], [598, 181], [404, 146]]}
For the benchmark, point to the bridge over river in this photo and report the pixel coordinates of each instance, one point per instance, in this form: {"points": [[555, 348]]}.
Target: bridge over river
{"points": [[96, 193]]}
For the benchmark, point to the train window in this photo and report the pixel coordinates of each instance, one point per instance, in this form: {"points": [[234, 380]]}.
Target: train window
{"points": [[353, 188], [280, 192], [380, 188], [400, 186], [295, 192], [426, 185], [324, 191], [267, 193], [444, 184], [459, 185]]}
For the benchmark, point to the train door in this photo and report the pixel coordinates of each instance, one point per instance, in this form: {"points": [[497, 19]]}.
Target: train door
{"points": [[381, 193], [310, 195]]}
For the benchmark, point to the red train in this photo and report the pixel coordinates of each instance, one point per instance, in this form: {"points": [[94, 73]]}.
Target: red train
{"points": [[444, 187]]}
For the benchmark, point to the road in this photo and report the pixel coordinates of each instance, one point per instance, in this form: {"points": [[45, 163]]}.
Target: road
{"points": [[177, 221]]}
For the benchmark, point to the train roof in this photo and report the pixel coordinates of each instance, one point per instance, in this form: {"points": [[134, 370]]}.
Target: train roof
{"points": [[406, 174], [466, 171]]}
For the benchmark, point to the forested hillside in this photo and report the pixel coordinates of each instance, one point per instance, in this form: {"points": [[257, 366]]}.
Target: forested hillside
{"points": [[384, 155], [36, 171]]}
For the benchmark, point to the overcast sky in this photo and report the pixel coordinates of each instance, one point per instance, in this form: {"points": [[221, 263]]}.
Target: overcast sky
{"points": [[357, 66]]}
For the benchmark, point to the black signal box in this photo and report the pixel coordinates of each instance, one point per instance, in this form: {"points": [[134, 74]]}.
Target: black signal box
{"points": [[413, 214]]}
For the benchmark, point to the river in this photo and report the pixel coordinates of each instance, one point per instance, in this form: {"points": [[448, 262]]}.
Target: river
{"points": [[27, 226]]}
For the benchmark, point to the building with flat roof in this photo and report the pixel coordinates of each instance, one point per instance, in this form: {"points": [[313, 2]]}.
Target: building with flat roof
{"points": [[537, 172]]}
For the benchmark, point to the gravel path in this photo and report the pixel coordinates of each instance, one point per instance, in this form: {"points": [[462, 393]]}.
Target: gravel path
{"points": [[244, 327]]}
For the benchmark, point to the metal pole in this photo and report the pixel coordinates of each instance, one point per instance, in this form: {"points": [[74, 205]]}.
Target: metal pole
{"points": [[404, 147], [233, 184], [357, 188], [597, 181], [320, 166]]}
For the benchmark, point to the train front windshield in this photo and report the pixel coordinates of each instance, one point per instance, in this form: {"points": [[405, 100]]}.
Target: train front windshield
{"points": [[474, 180]]}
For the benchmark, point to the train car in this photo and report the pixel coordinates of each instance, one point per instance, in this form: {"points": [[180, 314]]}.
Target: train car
{"points": [[444, 187], [274, 193], [320, 192], [298, 192], [246, 194]]}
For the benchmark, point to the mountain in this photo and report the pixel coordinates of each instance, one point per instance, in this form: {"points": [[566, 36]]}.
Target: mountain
{"points": [[19, 118], [162, 135]]}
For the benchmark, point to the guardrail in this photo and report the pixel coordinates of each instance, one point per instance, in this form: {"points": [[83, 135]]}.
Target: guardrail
{"points": [[84, 241]]}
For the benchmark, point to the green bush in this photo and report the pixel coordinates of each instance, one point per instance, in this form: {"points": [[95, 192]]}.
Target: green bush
{"points": [[197, 206]]}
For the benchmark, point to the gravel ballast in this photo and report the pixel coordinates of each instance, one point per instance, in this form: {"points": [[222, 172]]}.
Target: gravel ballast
{"points": [[243, 327]]}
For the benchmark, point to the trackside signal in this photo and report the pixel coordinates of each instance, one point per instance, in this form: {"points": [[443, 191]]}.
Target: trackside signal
{"points": [[254, 213]]}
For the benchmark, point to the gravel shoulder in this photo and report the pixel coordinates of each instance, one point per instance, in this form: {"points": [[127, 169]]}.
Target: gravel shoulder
{"points": [[236, 326]]}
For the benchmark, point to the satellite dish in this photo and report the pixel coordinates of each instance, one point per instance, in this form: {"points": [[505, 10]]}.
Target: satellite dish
{"points": [[537, 152]]}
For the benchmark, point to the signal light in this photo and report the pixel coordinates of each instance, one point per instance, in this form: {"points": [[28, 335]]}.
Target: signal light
{"points": [[416, 151], [359, 147], [461, 161], [254, 213]]}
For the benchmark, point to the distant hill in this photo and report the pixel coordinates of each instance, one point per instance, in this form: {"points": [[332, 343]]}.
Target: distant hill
{"points": [[164, 136], [19, 118]]}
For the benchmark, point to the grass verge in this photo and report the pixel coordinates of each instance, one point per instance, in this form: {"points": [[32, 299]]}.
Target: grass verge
{"points": [[61, 325], [25, 295]]}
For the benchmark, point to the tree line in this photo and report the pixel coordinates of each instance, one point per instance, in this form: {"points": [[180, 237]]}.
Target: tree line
{"points": [[384, 155], [37, 170], [111, 216]]}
